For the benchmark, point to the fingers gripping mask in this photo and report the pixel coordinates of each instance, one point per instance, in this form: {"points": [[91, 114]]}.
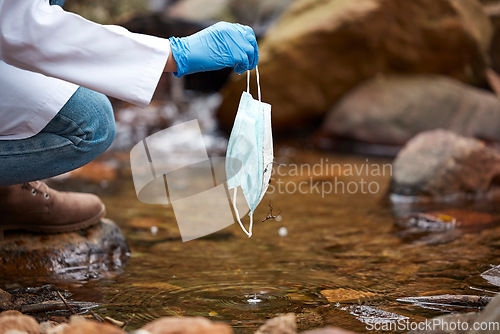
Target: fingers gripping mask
{"points": [[249, 156]]}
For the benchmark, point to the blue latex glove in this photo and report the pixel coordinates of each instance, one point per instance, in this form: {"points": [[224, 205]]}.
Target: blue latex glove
{"points": [[220, 45]]}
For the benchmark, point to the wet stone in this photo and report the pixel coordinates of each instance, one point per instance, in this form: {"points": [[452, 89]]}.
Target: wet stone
{"points": [[444, 165], [5, 300], [345, 295], [78, 255]]}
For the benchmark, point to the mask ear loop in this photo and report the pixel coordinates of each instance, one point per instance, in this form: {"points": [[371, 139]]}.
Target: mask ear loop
{"points": [[248, 82], [258, 83], [249, 232]]}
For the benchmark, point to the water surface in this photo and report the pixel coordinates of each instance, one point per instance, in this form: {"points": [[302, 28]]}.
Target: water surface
{"points": [[345, 243]]}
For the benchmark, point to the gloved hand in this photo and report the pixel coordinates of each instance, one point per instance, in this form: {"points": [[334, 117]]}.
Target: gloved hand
{"points": [[220, 45]]}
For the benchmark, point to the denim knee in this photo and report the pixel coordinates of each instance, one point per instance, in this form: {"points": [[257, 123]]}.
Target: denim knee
{"points": [[98, 122], [87, 121], [101, 117]]}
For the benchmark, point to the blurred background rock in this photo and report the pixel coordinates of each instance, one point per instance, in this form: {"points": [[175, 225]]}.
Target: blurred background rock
{"points": [[361, 76]]}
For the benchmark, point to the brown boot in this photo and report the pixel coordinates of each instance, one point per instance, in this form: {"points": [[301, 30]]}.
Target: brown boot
{"points": [[34, 206]]}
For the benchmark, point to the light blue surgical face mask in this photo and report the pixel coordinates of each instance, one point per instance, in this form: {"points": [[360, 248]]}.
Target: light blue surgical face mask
{"points": [[249, 155]]}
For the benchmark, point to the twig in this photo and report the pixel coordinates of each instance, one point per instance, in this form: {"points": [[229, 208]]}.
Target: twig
{"points": [[115, 322], [96, 316], [43, 307], [65, 302], [482, 290], [125, 324]]}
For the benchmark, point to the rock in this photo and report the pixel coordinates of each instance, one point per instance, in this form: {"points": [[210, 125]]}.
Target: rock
{"points": [[328, 330], [320, 49], [86, 252], [344, 295], [78, 325], [14, 320], [440, 163], [5, 300], [188, 325], [391, 110], [283, 324]]}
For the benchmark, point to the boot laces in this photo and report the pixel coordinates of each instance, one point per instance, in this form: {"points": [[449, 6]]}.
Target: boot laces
{"points": [[37, 187]]}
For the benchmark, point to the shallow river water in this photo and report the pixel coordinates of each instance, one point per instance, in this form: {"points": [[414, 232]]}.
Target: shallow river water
{"points": [[339, 259]]}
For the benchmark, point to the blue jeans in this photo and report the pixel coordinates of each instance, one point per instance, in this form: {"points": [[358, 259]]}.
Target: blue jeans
{"points": [[83, 129]]}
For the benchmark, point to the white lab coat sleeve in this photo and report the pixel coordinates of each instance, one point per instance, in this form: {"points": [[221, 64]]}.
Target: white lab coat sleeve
{"points": [[109, 59]]}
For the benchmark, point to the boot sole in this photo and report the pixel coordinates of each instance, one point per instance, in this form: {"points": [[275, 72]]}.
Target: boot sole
{"points": [[56, 228]]}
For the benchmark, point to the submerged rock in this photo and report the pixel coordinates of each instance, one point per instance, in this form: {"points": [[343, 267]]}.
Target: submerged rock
{"points": [[318, 50], [5, 300], [391, 110], [188, 325], [442, 164], [77, 254], [345, 295]]}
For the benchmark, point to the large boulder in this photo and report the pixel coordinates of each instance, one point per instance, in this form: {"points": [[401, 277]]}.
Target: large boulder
{"points": [[440, 163], [391, 110], [320, 49], [79, 254]]}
